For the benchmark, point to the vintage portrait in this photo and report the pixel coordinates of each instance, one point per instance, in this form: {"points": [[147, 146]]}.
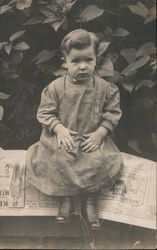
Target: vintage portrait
{"points": [[78, 124]]}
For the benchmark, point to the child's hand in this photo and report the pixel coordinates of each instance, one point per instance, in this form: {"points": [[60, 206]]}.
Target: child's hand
{"points": [[92, 143], [94, 140], [64, 137]]}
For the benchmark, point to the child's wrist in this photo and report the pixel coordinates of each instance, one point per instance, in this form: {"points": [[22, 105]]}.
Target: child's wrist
{"points": [[58, 128], [102, 131]]}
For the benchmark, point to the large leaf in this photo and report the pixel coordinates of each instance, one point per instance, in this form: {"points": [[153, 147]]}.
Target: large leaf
{"points": [[54, 7], [41, 2], [139, 9], [48, 20], [4, 9], [3, 96], [65, 5], [68, 5], [128, 86], [128, 71], [59, 2], [21, 46], [56, 25], [106, 68], [128, 54], [103, 47], [2, 44], [11, 2], [153, 65], [44, 56], [151, 15], [16, 35], [113, 56], [1, 112], [146, 83], [108, 32], [116, 78], [121, 32], [16, 59], [34, 20], [49, 14], [146, 49], [65, 24], [27, 12], [90, 12], [8, 48], [22, 4]]}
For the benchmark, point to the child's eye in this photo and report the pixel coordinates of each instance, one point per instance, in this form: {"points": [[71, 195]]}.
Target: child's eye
{"points": [[89, 59], [75, 61]]}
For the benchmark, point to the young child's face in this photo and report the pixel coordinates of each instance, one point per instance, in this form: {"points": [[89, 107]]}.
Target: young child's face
{"points": [[81, 63]]}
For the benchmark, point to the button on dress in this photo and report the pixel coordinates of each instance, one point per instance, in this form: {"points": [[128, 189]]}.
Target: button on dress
{"points": [[81, 108]]}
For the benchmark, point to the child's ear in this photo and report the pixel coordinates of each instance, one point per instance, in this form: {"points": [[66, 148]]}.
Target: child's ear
{"points": [[62, 59], [64, 62]]}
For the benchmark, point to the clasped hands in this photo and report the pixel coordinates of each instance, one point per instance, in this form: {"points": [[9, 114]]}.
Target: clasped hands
{"points": [[92, 143]]}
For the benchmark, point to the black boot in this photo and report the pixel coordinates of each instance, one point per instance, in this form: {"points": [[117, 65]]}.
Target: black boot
{"points": [[92, 212], [65, 208]]}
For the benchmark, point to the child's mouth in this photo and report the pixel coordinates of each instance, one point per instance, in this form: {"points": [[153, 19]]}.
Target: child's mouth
{"points": [[82, 75]]}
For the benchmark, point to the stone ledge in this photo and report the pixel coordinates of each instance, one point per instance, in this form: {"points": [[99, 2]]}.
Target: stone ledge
{"points": [[112, 236], [39, 227]]}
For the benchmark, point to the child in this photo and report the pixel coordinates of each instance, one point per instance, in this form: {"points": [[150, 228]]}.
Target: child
{"points": [[75, 154]]}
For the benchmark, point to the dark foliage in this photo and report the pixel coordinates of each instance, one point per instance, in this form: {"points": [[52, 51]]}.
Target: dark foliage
{"points": [[31, 32]]}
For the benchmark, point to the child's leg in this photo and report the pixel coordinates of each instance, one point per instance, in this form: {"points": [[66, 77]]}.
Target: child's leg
{"points": [[65, 206], [92, 211]]}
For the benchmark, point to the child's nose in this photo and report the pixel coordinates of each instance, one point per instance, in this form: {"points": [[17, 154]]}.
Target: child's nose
{"points": [[82, 66]]}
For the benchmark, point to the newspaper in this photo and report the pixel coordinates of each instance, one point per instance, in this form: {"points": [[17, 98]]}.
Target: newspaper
{"points": [[132, 200], [17, 196], [12, 178], [38, 203]]}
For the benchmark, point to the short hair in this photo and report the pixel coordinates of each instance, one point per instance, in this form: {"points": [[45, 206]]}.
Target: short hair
{"points": [[79, 39]]}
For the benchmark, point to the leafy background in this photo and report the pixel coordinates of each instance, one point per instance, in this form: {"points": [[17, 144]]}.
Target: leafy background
{"points": [[31, 32]]}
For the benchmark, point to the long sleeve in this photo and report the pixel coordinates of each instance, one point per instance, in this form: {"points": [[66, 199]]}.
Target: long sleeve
{"points": [[47, 111], [111, 109]]}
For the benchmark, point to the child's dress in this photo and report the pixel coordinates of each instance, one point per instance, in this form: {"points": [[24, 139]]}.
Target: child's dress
{"points": [[82, 108]]}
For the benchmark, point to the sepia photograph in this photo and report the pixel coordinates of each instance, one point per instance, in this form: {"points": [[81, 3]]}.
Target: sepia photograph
{"points": [[78, 124]]}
